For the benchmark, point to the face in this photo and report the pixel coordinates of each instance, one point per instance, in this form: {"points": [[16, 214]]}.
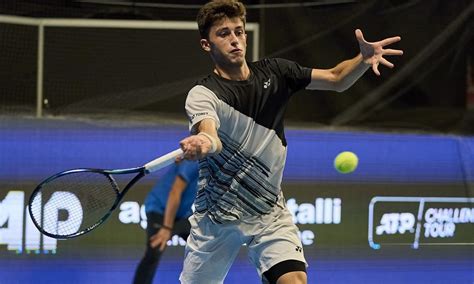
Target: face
{"points": [[227, 43]]}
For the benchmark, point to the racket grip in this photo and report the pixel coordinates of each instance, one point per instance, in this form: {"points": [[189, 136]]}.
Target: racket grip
{"points": [[163, 161]]}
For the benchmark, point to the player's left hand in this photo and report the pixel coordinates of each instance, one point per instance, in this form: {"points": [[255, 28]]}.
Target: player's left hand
{"points": [[373, 52], [160, 239]]}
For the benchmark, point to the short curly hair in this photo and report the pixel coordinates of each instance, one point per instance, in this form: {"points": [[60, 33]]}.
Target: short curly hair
{"points": [[216, 10]]}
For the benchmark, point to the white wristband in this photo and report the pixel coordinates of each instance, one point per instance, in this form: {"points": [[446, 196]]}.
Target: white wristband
{"points": [[212, 140]]}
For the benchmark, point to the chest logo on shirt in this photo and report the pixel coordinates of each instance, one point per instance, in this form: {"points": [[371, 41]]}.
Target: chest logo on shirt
{"points": [[267, 83]]}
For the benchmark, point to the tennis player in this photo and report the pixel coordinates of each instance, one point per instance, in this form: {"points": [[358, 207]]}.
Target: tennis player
{"points": [[236, 121], [167, 207]]}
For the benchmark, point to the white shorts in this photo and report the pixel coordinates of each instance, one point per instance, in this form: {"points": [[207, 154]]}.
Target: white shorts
{"points": [[211, 248]]}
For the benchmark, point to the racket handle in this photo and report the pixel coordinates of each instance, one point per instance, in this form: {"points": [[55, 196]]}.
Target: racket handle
{"points": [[163, 161]]}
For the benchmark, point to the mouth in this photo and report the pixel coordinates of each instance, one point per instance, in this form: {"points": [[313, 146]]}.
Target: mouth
{"points": [[236, 50]]}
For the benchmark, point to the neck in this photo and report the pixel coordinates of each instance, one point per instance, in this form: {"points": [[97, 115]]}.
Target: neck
{"points": [[240, 73]]}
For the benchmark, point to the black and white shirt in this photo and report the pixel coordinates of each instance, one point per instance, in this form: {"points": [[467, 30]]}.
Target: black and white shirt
{"points": [[244, 178]]}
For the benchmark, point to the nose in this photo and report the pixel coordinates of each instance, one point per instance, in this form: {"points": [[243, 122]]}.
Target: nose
{"points": [[234, 39]]}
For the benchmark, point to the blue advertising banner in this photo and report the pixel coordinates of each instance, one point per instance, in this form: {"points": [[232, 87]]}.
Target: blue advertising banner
{"points": [[408, 204]]}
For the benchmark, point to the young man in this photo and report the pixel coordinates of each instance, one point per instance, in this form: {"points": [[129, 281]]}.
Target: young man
{"points": [[236, 121], [167, 207]]}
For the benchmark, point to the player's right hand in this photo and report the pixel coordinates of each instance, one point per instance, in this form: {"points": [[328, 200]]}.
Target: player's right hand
{"points": [[195, 147]]}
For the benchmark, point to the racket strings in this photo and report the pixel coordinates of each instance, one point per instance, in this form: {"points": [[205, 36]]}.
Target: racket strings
{"points": [[74, 203]]}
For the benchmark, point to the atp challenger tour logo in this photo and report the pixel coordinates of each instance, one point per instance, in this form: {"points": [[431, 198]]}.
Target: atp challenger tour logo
{"points": [[18, 232], [323, 211], [420, 221]]}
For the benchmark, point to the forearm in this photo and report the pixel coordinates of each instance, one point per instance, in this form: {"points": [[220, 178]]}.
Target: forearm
{"points": [[172, 205], [349, 71], [339, 78]]}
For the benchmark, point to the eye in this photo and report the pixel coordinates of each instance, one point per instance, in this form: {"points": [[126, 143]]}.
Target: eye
{"points": [[224, 33]]}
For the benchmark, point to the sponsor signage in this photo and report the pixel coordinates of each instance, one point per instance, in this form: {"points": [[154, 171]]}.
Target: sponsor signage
{"points": [[420, 221]]}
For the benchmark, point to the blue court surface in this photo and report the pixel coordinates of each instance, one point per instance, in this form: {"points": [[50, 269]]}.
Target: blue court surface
{"points": [[321, 271]]}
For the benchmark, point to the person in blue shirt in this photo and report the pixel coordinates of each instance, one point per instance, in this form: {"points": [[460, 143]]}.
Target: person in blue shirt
{"points": [[167, 207]]}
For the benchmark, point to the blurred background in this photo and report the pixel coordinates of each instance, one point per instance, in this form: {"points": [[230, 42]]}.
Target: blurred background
{"points": [[91, 83]]}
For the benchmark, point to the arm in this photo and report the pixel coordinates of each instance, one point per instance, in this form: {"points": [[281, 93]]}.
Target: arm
{"points": [[346, 73], [204, 143], [339, 78], [174, 199]]}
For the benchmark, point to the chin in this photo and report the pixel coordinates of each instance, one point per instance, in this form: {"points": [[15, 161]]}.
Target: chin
{"points": [[237, 61]]}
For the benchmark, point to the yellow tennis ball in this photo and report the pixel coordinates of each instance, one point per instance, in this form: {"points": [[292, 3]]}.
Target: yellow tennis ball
{"points": [[346, 162]]}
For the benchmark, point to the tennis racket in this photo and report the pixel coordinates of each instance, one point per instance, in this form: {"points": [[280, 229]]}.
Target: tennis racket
{"points": [[74, 202]]}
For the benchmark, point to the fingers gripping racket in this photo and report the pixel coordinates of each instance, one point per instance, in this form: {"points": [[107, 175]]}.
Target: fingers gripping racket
{"points": [[74, 202]]}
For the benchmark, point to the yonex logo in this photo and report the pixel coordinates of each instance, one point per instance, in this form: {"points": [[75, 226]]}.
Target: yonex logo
{"points": [[299, 249], [266, 84], [198, 114]]}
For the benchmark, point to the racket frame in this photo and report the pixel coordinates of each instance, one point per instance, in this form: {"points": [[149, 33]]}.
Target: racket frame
{"points": [[150, 167]]}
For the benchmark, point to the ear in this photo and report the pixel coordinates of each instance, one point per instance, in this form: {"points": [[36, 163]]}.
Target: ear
{"points": [[205, 45]]}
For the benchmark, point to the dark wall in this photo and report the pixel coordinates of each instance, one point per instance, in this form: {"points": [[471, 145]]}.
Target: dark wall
{"points": [[425, 91]]}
